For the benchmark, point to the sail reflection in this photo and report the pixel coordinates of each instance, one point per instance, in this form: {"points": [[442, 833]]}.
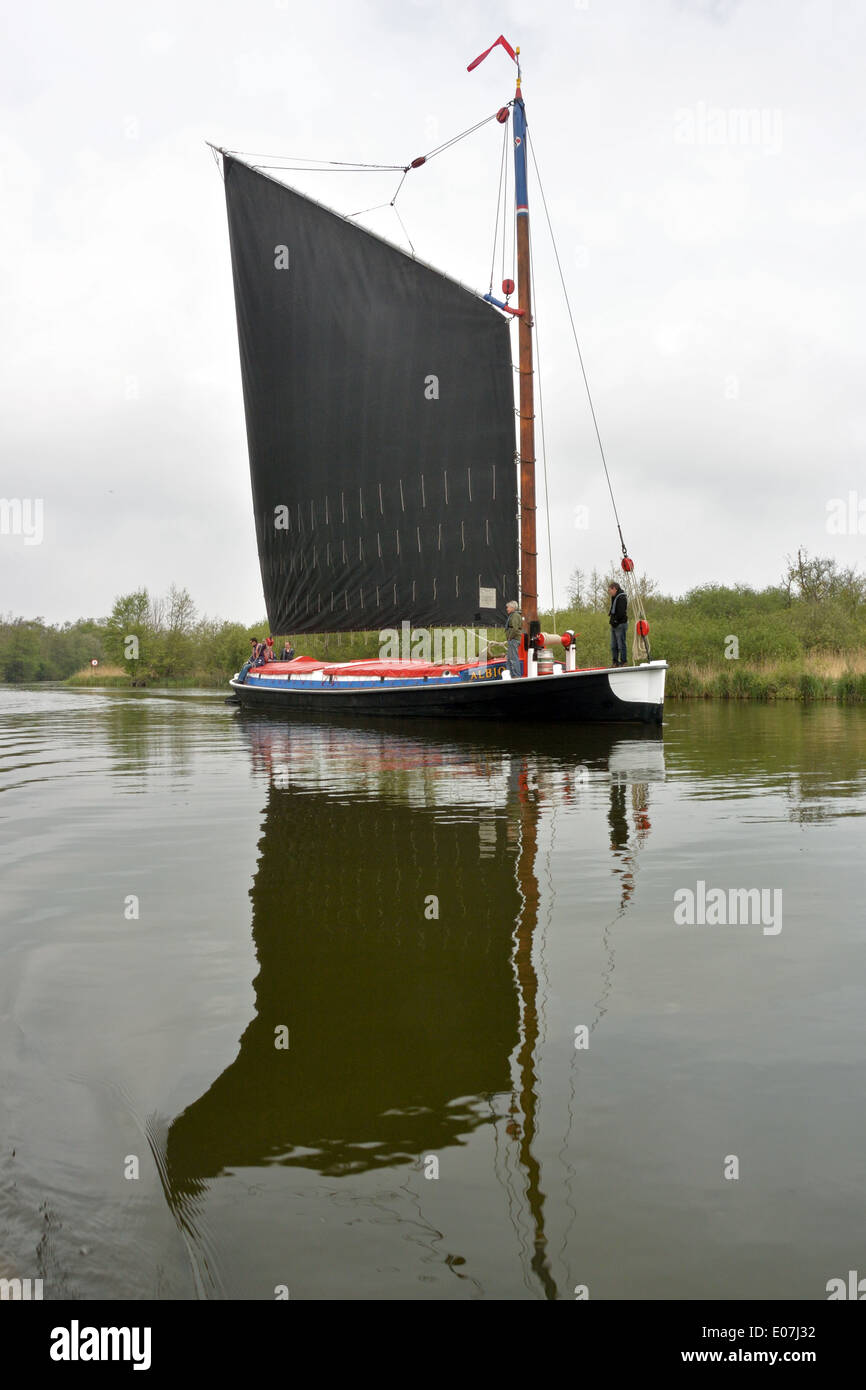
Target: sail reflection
{"points": [[395, 917]]}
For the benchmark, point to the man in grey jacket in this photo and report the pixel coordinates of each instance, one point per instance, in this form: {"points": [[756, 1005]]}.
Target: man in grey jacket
{"points": [[513, 634]]}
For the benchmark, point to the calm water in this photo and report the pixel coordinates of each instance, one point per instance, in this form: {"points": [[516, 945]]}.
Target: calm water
{"points": [[427, 915]]}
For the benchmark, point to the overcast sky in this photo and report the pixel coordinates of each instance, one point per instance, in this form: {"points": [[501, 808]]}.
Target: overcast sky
{"points": [[703, 162]]}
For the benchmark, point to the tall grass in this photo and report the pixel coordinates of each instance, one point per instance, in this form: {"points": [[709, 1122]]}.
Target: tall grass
{"points": [[104, 674], [804, 681]]}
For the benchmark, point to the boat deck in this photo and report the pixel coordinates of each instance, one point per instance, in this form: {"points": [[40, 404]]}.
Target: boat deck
{"points": [[375, 672]]}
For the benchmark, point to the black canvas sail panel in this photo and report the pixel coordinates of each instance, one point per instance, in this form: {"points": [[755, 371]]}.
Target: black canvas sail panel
{"points": [[380, 423]]}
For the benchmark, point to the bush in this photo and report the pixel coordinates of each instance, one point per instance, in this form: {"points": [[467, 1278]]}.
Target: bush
{"points": [[850, 688], [721, 686]]}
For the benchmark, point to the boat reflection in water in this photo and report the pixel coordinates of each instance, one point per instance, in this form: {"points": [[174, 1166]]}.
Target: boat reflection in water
{"points": [[396, 926]]}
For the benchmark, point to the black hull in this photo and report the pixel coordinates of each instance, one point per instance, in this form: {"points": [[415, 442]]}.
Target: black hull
{"points": [[579, 697]]}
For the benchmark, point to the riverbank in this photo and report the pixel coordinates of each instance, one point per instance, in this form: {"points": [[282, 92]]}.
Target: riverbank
{"points": [[841, 679], [802, 639], [115, 678]]}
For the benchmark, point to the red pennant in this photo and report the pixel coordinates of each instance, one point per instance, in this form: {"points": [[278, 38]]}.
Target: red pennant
{"points": [[505, 44]]}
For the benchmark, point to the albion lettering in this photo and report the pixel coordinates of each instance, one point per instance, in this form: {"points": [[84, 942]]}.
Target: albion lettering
{"points": [[76, 1343]]}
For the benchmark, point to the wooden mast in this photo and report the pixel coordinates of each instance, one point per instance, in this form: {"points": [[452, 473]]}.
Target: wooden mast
{"points": [[528, 545]]}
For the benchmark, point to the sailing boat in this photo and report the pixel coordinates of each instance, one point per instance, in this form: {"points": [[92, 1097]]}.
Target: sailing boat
{"points": [[379, 404]]}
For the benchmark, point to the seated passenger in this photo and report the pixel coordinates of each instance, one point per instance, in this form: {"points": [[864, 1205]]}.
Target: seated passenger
{"points": [[251, 661]]}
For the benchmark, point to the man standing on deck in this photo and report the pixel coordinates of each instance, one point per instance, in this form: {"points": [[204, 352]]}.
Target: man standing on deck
{"points": [[618, 624], [513, 635]]}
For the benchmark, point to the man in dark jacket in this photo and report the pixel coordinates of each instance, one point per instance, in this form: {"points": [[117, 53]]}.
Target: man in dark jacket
{"points": [[618, 624]]}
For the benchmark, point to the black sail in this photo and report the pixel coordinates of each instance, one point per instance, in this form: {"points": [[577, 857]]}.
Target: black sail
{"points": [[380, 422]]}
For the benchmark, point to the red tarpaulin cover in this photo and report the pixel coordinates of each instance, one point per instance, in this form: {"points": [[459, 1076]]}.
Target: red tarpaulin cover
{"points": [[372, 667]]}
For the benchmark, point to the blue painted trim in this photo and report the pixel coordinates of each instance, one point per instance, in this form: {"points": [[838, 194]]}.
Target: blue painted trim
{"points": [[377, 684], [519, 127]]}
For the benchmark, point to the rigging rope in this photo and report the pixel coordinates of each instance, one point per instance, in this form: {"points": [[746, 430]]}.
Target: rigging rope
{"points": [[505, 215], [543, 441], [321, 166], [328, 168], [403, 225], [511, 225], [498, 205], [304, 159], [305, 165], [462, 136], [576, 341], [631, 584]]}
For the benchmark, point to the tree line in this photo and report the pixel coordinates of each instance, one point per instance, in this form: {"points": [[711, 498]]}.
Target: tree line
{"points": [[147, 636], [818, 605]]}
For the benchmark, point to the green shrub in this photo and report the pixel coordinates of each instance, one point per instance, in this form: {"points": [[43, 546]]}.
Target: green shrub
{"points": [[721, 686], [850, 688]]}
